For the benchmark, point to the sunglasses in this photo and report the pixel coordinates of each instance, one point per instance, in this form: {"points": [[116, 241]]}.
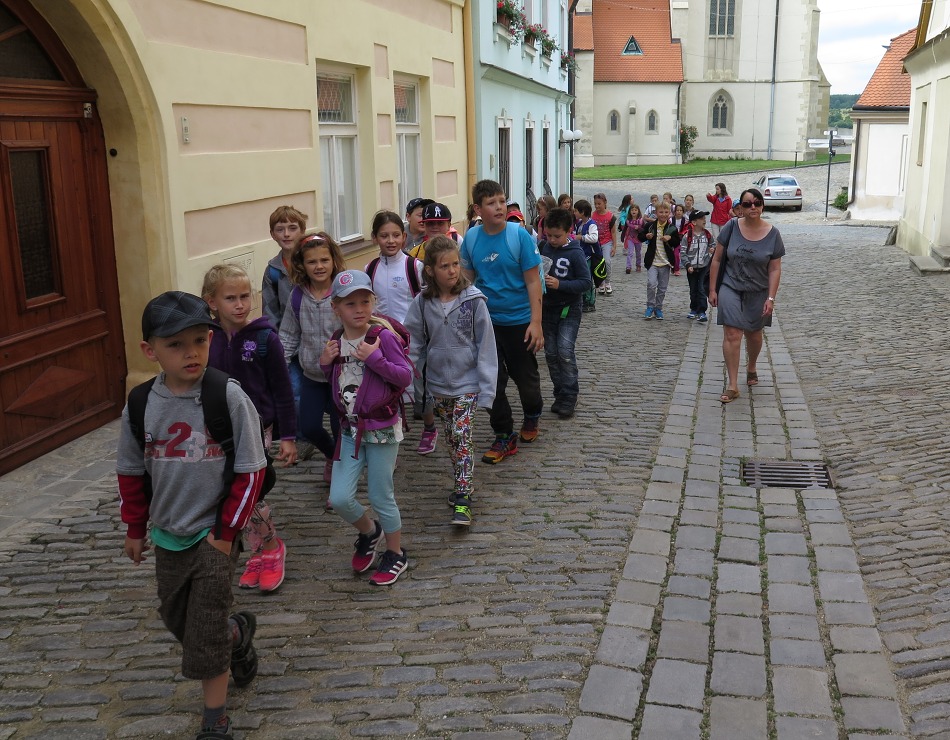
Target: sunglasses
{"points": [[749, 203]]}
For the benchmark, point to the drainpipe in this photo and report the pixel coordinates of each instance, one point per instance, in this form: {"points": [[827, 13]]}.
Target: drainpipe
{"points": [[679, 121], [470, 114], [772, 90], [570, 91]]}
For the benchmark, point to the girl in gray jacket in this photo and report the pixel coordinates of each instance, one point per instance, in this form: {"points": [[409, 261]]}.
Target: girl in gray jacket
{"points": [[453, 347]]}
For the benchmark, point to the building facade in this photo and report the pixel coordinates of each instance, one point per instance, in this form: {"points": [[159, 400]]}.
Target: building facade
{"points": [[882, 137], [751, 82], [925, 224], [522, 102], [144, 141]]}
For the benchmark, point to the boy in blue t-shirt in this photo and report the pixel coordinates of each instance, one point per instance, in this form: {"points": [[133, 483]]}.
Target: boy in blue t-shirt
{"points": [[502, 260]]}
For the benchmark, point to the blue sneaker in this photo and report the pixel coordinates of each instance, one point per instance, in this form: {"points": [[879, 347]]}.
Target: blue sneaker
{"points": [[648, 314], [692, 315], [659, 313], [702, 318]]}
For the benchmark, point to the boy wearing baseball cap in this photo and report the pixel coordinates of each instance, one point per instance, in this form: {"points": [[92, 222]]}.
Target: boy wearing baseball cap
{"points": [[699, 248], [437, 219], [415, 231], [198, 496]]}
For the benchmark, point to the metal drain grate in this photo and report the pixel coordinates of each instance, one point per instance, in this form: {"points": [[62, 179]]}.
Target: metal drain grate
{"points": [[785, 474]]}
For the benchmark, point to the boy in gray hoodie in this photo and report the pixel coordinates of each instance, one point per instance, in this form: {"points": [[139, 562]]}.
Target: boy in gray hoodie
{"points": [[567, 278], [180, 483]]}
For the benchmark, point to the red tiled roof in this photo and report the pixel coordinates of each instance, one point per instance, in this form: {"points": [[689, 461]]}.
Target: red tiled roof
{"points": [[648, 21], [583, 32], [889, 86]]}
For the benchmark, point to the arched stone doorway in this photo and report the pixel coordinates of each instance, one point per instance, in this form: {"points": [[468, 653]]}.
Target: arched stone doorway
{"points": [[62, 359]]}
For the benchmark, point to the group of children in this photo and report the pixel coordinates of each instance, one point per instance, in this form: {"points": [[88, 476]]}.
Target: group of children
{"points": [[455, 321]]}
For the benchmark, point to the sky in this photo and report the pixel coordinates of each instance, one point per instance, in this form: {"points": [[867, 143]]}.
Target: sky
{"points": [[852, 36]]}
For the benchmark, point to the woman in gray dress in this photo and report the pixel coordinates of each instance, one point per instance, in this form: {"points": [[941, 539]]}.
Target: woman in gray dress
{"points": [[749, 250]]}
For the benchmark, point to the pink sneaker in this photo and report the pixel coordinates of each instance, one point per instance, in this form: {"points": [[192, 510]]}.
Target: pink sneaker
{"points": [[427, 443], [252, 573], [272, 567]]}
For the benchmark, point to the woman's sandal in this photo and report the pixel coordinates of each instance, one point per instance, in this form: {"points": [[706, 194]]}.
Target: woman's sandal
{"points": [[728, 396], [751, 378]]}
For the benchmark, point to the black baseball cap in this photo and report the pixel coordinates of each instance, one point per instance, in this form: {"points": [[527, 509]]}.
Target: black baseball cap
{"points": [[416, 203], [696, 215], [436, 212], [172, 312]]}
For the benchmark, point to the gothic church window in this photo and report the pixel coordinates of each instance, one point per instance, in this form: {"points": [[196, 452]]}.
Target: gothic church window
{"points": [[719, 111], [652, 122], [613, 122], [722, 17]]}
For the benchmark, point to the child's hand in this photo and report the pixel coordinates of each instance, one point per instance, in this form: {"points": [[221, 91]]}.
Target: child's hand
{"points": [[222, 546], [365, 349], [650, 235], [666, 238], [330, 352], [288, 452], [135, 549], [613, 251], [551, 282]]}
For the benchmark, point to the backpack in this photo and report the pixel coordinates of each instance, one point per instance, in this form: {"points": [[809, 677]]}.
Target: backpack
{"points": [[214, 406], [394, 402], [411, 275]]}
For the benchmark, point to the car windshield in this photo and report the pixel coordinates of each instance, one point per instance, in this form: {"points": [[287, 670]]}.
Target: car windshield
{"points": [[783, 181]]}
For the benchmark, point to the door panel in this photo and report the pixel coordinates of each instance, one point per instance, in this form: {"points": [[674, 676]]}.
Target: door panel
{"points": [[62, 366]]}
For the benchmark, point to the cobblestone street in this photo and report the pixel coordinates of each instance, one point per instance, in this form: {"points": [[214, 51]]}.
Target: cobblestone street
{"points": [[619, 580]]}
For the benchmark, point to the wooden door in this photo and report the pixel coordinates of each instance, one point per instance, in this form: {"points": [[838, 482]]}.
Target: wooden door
{"points": [[62, 362]]}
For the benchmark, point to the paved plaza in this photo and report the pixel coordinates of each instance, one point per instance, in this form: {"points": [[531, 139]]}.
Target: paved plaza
{"points": [[619, 582]]}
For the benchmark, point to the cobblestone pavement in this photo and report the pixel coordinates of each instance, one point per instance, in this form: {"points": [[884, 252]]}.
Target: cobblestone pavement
{"points": [[618, 582]]}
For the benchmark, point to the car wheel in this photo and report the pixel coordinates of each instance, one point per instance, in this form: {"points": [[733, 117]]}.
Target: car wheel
{"points": [[798, 208]]}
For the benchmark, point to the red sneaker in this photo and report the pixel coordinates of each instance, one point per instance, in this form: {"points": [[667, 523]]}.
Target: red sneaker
{"points": [[272, 567], [252, 573]]}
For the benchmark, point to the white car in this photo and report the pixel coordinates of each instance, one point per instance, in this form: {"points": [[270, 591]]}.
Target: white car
{"points": [[780, 190]]}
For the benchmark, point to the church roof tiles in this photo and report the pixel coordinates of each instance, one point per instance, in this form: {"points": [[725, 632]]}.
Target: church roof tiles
{"points": [[889, 86]]}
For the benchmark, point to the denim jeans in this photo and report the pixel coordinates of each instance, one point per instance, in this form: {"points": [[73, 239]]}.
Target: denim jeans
{"points": [[296, 373], [315, 401], [516, 362], [379, 461], [658, 279], [560, 336], [698, 289]]}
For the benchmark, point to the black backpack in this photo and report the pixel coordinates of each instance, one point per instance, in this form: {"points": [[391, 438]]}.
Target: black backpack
{"points": [[214, 405]]}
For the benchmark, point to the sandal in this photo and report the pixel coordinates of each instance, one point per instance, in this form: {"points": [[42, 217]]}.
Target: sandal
{"points": [[751, 378], [213, 734], [728, 396], [243, 655]]}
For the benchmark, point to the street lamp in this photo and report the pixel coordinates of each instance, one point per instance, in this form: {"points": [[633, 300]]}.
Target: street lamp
{"points": [[569, 138]]}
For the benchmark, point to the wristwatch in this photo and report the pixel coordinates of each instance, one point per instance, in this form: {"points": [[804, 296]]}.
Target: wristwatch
{"points": [[771, 298]]}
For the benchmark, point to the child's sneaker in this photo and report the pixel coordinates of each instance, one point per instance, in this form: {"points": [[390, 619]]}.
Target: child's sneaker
{"points": [[365, 545], [658, 313], [221, 730], [427, 443], [648, 314], [529, 429], [391, 566], [608, 289], [505, 445], [702, 318], [252, 572], [462, 517], [272, 568], [692, 315], [243, 654]]}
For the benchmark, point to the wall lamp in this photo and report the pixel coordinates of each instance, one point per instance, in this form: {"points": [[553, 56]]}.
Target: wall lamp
{"points": [[569, 137]]}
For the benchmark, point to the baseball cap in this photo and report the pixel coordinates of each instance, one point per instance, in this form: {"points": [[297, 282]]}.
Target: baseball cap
{"points": [[513, 203], [515, 215], [350, 281], [436, 212], [698, 215], [416, 202], [172, 312]]}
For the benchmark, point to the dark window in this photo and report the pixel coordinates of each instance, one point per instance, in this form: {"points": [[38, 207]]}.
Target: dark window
{"points": [[722, 17], [545, 165], [504, 159], [31, 206], [528, 157], [632, 48], [614, 123], [20, 54], [720, 113]]}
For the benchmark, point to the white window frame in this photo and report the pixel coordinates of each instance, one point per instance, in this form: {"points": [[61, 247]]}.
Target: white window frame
{"points": [[409, 167], [728, 104], [722, 19], [613, 122], [334, 137]]}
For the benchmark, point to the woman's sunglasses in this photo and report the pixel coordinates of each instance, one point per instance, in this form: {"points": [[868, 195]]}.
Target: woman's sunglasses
{"points": [[749, 203]]}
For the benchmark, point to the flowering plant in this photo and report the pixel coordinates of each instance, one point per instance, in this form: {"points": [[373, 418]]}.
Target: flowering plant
{"points": [[548, 44], [688, 136], [508, 9], [568, 62], [534, 31]]}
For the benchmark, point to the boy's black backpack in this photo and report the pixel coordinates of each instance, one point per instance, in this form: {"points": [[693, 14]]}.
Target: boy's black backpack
{"points": [[214, 406]]}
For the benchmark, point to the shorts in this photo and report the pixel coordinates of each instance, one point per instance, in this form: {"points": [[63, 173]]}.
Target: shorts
{"points": [[194, 590]]}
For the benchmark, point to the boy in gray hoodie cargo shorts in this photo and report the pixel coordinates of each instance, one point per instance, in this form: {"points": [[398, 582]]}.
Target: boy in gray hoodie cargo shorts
{"points": [[179, 482]]}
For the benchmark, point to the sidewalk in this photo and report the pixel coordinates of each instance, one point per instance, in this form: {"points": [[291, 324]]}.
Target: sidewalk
{"points": [[619, 580], [741, 612]]}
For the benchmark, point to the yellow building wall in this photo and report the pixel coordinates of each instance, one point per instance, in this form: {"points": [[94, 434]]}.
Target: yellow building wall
{"points": [[237, 78]]}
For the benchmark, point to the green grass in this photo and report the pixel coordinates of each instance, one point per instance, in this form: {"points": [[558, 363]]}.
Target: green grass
{"points": [[695, 168]]}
